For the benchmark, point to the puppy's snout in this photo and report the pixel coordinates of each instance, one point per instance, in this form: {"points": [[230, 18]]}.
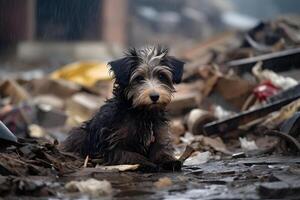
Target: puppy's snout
{"points": [[154, 96]]}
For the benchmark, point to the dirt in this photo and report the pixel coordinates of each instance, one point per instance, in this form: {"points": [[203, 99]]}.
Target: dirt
{"points": [[244, 178]]}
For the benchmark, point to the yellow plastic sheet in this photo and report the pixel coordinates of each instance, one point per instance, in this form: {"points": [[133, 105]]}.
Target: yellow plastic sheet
{"points": [[85, 73]]}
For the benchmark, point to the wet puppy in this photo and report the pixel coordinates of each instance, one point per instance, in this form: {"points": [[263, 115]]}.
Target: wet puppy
{"points": [[132, 127]]}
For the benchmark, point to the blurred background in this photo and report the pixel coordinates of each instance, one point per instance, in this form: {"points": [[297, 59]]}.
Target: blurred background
{"points": [[64, 31]]}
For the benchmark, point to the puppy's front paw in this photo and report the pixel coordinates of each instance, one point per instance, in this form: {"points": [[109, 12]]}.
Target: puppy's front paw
{"points": [[173, 165]]}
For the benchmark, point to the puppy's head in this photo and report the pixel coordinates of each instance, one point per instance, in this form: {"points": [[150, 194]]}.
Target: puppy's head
{"points": [[147, 76]]}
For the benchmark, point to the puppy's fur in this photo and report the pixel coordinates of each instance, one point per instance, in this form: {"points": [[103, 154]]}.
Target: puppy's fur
{"points": [[132, 127]]}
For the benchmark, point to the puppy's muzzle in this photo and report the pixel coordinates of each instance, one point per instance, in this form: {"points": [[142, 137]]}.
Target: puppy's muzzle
{"points": [[154, 97]]}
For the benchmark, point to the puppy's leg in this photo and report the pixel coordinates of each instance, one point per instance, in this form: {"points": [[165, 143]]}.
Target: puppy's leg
{"points": [[161, 152], [127, 157], [75, 142]]}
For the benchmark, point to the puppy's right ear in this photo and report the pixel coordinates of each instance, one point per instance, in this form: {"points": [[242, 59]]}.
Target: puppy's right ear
{"points": [[121, 70]]}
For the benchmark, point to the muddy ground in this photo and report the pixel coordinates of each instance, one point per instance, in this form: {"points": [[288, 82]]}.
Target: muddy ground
{"points": [[272, 177]]}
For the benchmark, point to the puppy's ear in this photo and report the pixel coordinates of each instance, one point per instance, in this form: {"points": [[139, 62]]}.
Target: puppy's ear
{"points": [[121, 70], [176, 67]]}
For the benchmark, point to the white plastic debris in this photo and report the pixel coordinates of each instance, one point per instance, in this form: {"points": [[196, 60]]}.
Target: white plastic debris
{"points": [[248, 145], [198, 158], [278, 80], [221, 113], [188, 138], [91, 187]]}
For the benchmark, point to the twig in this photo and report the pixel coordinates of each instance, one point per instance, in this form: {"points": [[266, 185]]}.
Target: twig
{"points": [[86, 161]]}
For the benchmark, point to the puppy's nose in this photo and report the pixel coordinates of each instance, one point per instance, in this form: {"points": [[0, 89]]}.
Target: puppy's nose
{"points": [[154, 97]]}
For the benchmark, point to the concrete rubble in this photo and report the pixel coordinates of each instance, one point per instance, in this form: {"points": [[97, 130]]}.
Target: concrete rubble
{"points": [[234, 119]]}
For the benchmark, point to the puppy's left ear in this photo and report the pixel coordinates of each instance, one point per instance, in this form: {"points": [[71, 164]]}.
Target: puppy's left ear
{"points": [[177, 68], [121, 70]]}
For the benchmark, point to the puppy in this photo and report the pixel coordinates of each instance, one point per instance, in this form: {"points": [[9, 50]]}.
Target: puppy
{"points": [[132, 127]]}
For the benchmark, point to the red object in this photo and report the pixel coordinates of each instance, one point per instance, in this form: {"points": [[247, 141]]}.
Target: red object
{"points": [[265, 90]]}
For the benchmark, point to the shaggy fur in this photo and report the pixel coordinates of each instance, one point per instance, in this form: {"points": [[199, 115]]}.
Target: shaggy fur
{"points": [[132, 127]]}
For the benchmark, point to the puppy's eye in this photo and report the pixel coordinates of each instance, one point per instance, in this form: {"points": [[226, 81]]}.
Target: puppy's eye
{"points": [[138, 79], [162, 77]]}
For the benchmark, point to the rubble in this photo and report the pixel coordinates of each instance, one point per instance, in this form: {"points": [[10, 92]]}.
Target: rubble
{"points": [[119, 168], [248, 145], [83, 105], [6, 134], [196, 119], [278, 189], [177, 129], [198, 158], [92, 187], [48, 116], [85, 73], [163, 182], [11, 89], [234, 123]]}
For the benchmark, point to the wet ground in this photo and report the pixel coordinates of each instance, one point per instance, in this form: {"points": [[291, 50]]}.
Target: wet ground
{"points": [[244, 178]]}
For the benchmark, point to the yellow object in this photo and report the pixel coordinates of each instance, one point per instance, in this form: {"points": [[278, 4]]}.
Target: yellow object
{"points": [[85, 73]]}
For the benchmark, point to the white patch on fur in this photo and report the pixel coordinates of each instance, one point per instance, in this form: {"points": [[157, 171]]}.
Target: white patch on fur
{"points": [[150, 56]]}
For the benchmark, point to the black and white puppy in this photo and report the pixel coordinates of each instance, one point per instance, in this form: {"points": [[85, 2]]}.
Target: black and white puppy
{"points": [[132, 127]]}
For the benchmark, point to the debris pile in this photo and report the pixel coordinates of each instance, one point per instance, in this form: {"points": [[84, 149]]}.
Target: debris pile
{"points": [[249, 91], [239, 100]]}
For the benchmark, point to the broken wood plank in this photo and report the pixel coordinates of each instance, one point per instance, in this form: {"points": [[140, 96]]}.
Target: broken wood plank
{"points": [[234, 122], [277, 61]]}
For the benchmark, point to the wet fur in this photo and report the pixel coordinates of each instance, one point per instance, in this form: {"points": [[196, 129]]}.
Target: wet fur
{"points": [[129, 129]]}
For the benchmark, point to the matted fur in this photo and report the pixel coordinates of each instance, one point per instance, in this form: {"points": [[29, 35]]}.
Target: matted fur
{"points": [[132, 127]]}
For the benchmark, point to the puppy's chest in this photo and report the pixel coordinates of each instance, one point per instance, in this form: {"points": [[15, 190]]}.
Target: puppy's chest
{"points": [[141, 134], [146, 134]]}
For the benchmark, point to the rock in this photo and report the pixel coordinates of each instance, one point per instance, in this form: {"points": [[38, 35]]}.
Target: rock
{"points": [[216, 143], [177, 130], [60, 88], [48, 117], [248, 145], [182, 103], [177, 127], [163, 182], [278, 189], [196, 119], [14, 91], [186, 98], [50, 100], [29, 187], [36, 131], [83, 105], [92, 187]]}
